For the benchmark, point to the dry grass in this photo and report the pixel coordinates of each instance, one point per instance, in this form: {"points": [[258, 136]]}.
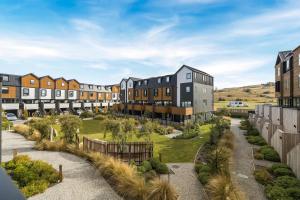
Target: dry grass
{"points": [[24, 130], [46, 145], [161, 190], [227, 140], [221, 188]]}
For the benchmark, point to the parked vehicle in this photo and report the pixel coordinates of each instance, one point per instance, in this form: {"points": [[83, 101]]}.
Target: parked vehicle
{"points": [[11, 117], [237, 104]]}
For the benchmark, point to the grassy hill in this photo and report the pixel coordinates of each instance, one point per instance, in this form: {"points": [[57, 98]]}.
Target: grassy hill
{"points": [[252, 95]]}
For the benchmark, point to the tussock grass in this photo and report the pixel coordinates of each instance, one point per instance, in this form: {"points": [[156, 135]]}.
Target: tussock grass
{"points": [[161, 190], [28, 133], [51, 146], [227, 140]]}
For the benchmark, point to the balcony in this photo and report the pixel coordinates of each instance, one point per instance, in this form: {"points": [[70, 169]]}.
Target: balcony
{"points": [[34, 106], [138, 107], [162, 109], [104, 104], [49, 106], [122, 106], [182, 110], [130, 106], [87, 105], [149, 108], [96, 104], [10, 106], [64, 105], [76, 105]]}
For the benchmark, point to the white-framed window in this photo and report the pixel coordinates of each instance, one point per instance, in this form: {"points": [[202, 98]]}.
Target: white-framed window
{"points": [[32, 82], [81, 86], [71, 93], [299, 59], [43, 92], [145, 82], [167, 79], [288, 65], [130, 84], [188, 75], [5, 78], [48, 83], [91, 87], [187, 89], [278, 71], [4, 90], [195, 75], [140, 83], [58, 93], [136, 93], [62, 84], [168, 92], [145, 92], [159, 80], [25, 92]]}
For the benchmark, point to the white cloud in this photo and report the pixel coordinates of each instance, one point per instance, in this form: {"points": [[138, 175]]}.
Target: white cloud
{"points": [[85, 25]]}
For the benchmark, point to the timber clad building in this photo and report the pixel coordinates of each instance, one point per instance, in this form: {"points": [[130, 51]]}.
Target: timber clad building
{"points": [[182, 96], [287, 78], [32, 93]]}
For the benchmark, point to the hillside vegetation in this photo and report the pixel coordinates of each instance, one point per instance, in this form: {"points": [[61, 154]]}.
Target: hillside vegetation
{"points": [[252, 95]]}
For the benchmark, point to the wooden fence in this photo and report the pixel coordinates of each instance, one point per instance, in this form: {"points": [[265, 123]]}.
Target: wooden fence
{"points": [[130, 151]]}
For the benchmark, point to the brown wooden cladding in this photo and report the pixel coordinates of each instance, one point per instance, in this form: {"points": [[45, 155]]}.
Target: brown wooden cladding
{"points": [[130, 94], [84, 95], [162, 109], [47, 82], [73, 85], [115, 89], [138, 94], [130, 106], [296, 75], [149, 108], [108, 96], [12, 92], [26, 81], [164, 95], [145, 98], [61, 84], [93, 95], [159, 95], [181, 111], [101, 96]]}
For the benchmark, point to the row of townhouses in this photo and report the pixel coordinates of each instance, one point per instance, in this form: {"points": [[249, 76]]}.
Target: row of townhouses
{"points": [[32, 93], [280, 125], [183, 96]]}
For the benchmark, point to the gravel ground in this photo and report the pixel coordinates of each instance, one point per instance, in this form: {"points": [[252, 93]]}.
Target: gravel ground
{"points": [[242, 165], [81, 180], [185, 181]]}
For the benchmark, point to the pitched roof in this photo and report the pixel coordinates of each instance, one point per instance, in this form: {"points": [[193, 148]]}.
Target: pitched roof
{"points": [[134, 79], [61, 78], [73, 80], [283, 54], [46, 76], [32, 74], [193, 69]]}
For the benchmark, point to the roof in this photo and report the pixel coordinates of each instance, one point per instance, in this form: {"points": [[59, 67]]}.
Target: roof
{"points": [[193, 69], [134, 79], [46, 76], [32, 74], [73, 80], [61, 78], [283, 54]]}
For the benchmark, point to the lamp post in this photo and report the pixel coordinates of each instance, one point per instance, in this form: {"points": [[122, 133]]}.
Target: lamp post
{"points": [[1, 78]]}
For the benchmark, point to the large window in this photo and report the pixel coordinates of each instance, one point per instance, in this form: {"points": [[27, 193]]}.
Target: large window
{"points": [[58, 93], [159, 80], [145, 92], [186, 104], [145, 82], [288, 65], [32, 82], [62, 84], [81, 86], [4, 90], [278, 71], [91, 87], [71, 93], [188, 75], [155, 92], [48, 83], [188, 89], [25, 92], [168, 92], [5, 78], [43, 92], [167, 79], [136, 93]]}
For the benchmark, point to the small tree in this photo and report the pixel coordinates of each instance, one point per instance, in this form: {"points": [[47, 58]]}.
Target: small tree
{"points": [[146, 131], [218, 160], [25, 114], [69, 126], [43, 126]]}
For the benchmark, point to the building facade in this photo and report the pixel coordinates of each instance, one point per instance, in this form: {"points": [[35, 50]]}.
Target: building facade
{"points": [[44, 94], [182, 96], [287, 78]]}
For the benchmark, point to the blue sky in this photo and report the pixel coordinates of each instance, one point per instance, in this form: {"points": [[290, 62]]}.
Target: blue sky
{"points": [[101, 41]]}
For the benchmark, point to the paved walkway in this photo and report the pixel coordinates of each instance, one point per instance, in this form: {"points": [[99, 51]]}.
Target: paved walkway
{"points": [[185, 181], [242, 165], [81, 180]]}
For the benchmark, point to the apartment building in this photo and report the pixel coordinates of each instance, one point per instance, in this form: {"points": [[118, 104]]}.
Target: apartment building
{"points": [[185, 95], [44, 94], [287, 78]]}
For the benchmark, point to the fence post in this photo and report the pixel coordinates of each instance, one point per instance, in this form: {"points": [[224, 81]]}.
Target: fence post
{"points": [[160, 157], [15, 152], [60, 173]]}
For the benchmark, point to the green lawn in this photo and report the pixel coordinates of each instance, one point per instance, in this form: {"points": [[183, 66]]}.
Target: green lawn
{"points": [[251, 105], [172, 150]]}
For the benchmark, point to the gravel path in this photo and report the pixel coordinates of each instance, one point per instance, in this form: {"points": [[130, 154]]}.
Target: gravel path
{"points": [[185, 181], [174, 134], [242, 165], [81, 180]]}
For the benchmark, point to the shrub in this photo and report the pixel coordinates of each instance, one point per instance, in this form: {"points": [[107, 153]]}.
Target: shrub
{"points": [[283, 172], [269, 153], [257, 140], [220, 187], [262, 176], [253, 132], [294, 192], [27, 132], [145, 167], [245, 125], [43, 126], [187, 135], [86, 114], [278, 165], [287, 182], [161, 190], [204, 177], [258, 156], [70, 125], [158, 166], [218, 160], [277, 193], [32, 177], [200, 167], [46, 145]]}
